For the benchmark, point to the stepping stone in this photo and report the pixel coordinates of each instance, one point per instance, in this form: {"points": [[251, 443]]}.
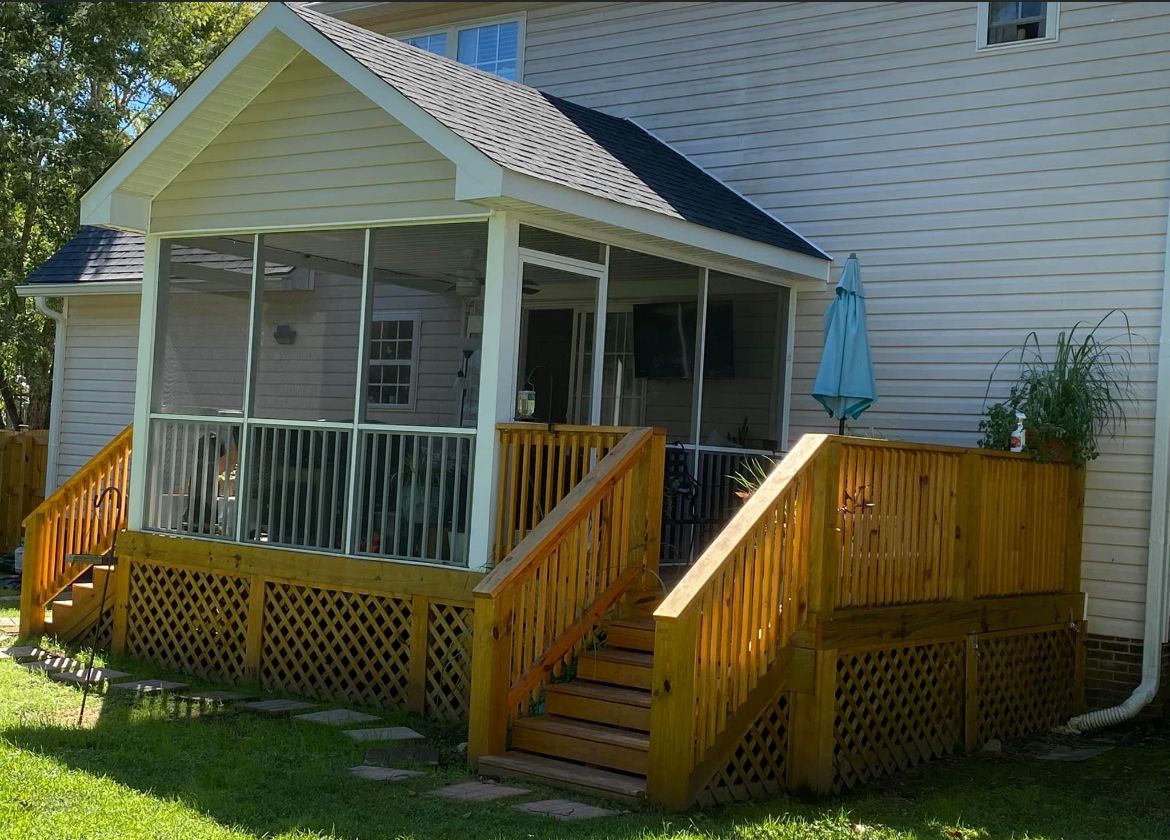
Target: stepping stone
{"points": [[214, 696], [148, 686], [564, 809], [384, 733], [277, 708], [93, 676], [477, 792], [382, 774], [337, 717], [52, 664], [425, 754], [25, 652]]}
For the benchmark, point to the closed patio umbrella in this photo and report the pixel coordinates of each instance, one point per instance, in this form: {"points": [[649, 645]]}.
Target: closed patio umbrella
{"points": [[845, 385]]}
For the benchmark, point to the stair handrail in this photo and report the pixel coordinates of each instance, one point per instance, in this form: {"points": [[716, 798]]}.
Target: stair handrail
{"points": [[537, 609], [68, 524], [724, 625]]}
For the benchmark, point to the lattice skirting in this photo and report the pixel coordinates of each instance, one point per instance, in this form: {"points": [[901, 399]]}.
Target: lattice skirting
{"points": [[409, 652], [188, 621], [896, 707], [899, 706], [1026, 681], [757, 768]]}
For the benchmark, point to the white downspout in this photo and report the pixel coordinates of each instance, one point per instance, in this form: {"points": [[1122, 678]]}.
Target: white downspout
{"points": [[1156, 563], [60, 319]]}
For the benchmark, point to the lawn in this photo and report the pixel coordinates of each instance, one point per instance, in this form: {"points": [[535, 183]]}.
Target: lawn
{"points": [[151, 768]]}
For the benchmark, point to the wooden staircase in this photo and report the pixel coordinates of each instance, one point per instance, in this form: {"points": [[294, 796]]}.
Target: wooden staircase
{"points": [[75, 611], [594, 736]]}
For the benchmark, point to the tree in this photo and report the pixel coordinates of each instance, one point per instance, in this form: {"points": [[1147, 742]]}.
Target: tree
{"points": [[78, 82]]}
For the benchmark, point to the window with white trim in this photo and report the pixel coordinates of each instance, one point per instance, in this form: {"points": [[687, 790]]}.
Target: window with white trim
{"points": [[1003, 24], [495, 46], [391, 375]]}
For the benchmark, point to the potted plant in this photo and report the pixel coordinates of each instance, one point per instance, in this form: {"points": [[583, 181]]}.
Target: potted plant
{"points": [[1069, 397]]}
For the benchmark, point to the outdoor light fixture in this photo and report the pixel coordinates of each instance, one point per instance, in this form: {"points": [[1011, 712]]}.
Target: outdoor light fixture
{"points": [[285, 334], [525, 404]]}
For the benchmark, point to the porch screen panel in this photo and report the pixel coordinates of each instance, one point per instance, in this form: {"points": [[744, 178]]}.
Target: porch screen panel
{"points": [[743, 393], [658, 302], [306, 351], [203, 325], [425, 324]]}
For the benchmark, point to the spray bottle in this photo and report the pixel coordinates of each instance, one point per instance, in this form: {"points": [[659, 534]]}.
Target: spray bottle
{"points": [[1017, 440]]}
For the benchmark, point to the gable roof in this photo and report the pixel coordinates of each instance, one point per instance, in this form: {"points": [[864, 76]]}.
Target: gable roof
{"points": [[534, 133], [514, 147]]}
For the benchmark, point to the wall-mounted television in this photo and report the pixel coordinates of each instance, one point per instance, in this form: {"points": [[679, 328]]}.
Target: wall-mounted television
{"points": [[664, 340]]}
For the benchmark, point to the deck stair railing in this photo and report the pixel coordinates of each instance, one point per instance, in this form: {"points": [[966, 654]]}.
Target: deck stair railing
{"points": [[859, 561], [67, 530], [539, 608]]}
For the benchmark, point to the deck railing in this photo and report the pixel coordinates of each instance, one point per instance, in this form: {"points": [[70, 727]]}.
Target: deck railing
{"points": [[539, 465], [410, 486], [67, 524], [23, 461], [856, 539], [540, 606]]}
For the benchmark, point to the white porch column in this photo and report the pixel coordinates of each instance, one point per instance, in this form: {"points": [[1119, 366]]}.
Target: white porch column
{"points": [[144, 375], [497, 375]]}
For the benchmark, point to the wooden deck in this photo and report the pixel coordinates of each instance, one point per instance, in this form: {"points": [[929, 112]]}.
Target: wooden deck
{"points": [[873, 606]]}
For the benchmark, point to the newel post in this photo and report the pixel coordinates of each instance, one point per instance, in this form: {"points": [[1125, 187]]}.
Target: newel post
{"points": [[825, 529], [672, 712], [490, 678], [32, 612]]}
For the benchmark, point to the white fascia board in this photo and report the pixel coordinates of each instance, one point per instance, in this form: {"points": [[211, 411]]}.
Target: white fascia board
{"points": [[173, 117], [568, 200], [95, 287], [431, 131]]}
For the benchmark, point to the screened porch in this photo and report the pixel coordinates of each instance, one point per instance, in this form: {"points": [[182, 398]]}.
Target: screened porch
{"points": [[321, 390]]}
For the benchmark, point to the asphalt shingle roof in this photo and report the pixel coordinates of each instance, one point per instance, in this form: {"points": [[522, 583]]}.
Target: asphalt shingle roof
{"points": [[534, 133], [94, 255]]}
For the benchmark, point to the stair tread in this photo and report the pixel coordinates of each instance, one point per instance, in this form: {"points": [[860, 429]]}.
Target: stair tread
{"points": [[603, 691], [553, 771], [633, 623], [586, 731], [63, 602], [86, 586], [623, 656]]}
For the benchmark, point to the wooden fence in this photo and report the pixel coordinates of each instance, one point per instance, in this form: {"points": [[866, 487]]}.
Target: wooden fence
{"points": [[23, 461], [874, 605]]}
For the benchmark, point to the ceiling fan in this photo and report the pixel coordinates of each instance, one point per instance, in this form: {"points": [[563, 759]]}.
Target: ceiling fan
{"points": [[469, 280]]}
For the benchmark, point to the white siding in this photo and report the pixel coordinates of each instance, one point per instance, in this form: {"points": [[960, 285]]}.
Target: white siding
{"points": [[97, 399], [309, 150], [987, 193]]}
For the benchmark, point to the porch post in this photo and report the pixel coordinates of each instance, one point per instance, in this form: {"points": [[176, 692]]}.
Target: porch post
{"points": [[497, 375], [144, 376]]}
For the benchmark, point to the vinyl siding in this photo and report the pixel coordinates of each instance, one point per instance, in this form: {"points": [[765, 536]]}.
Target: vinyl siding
{"points": [[987, 193], [97, 397], [308, 150]]}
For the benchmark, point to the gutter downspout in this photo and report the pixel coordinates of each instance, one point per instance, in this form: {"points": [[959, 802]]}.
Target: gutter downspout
{"points": [[60, 319], [1156, 561]]}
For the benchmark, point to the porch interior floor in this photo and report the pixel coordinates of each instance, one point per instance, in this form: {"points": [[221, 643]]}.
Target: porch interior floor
{"points": [[594, 735]]}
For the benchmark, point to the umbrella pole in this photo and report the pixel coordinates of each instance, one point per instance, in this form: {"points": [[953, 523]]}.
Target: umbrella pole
{"points": [[841, 426]]}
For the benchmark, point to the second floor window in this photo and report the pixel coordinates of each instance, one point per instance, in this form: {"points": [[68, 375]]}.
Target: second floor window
{"points": [[1003, 23], [492, 47]]}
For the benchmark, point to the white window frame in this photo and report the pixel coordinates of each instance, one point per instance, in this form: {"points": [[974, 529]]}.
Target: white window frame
{"points": [[452, 31], [385, 315], [1051, 29]]}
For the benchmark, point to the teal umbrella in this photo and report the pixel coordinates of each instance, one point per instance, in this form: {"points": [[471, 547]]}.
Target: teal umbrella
{"points": [[845, 385]]}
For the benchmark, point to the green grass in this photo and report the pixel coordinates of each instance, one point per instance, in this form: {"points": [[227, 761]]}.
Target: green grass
{"points": [[150, 769]]}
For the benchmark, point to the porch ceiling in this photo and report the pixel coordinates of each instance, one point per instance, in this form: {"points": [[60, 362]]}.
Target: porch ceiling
{"points": [[512, 145]]}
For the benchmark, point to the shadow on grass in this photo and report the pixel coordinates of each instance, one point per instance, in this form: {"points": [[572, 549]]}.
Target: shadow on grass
{"points": [[268, 777]]}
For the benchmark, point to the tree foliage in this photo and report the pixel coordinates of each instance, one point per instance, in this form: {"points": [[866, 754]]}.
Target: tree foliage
{"points": [[78, 82]]}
